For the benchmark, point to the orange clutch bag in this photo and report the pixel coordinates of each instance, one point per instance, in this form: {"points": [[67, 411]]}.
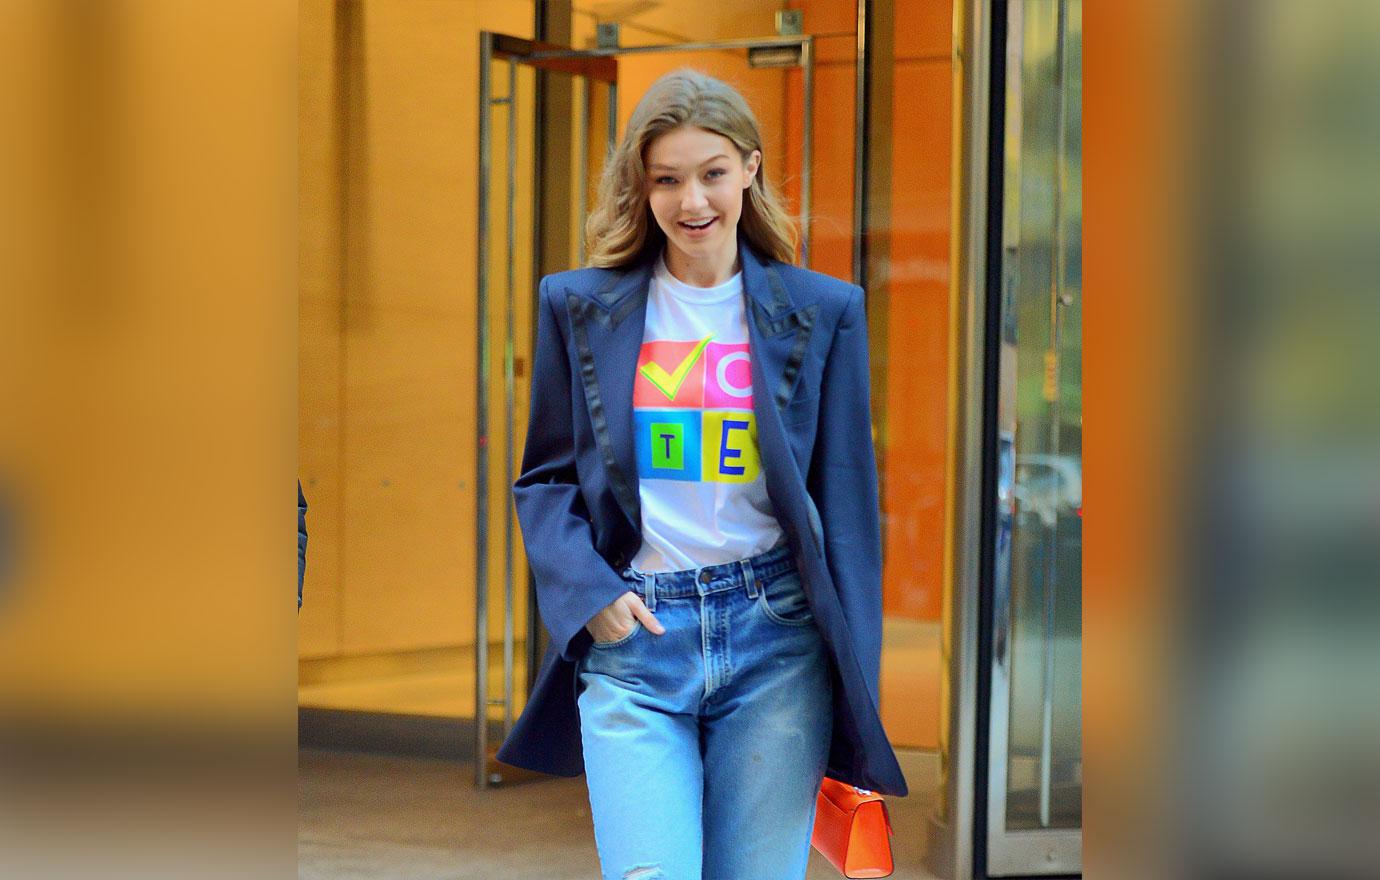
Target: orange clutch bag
{"points": [[852, 830]]}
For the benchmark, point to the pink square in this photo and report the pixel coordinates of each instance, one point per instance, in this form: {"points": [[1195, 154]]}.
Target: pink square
{"points": [[727, 376]]}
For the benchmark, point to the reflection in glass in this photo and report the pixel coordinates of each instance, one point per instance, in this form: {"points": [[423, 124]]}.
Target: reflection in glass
{"points": [[1042, 419]]}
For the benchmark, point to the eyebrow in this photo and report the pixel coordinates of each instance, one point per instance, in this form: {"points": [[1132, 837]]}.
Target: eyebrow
{"points": [[665, 167]]}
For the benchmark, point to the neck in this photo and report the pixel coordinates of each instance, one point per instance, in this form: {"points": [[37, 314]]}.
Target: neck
{"points": [[702, 271]]}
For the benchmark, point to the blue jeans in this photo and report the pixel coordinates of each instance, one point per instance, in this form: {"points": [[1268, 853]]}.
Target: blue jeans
{"points": [[705, 747]]}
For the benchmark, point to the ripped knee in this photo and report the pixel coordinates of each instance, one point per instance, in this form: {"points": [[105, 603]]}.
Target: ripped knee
{"points": [[644, 872]]}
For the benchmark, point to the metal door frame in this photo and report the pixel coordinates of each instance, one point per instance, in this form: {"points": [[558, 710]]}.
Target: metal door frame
{"points": [[950, 850], [601, 65]]}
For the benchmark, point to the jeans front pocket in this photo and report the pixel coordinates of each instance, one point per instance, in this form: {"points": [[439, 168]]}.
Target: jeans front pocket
{"points": [[782, 599], [636, 628], [633, 578]]}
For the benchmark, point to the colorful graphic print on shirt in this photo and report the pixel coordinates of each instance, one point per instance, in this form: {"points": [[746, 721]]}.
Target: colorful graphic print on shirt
{"points": [[692, 412]]}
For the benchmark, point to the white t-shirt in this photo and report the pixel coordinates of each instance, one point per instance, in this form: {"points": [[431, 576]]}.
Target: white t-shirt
{"points": [[704, 499]]}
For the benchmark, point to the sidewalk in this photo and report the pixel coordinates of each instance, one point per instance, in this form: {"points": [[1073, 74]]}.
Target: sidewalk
{"points": [[371, 816]]}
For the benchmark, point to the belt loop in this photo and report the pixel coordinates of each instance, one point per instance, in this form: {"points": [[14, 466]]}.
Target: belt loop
{"points": [[750, 578], [649, 581]]}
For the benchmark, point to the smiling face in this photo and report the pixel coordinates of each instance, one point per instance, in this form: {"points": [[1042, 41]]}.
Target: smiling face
{"points": [[695, 181]]}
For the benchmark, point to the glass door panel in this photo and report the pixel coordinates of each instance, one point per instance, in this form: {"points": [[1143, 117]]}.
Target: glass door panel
{"points": [[1035, 763]]}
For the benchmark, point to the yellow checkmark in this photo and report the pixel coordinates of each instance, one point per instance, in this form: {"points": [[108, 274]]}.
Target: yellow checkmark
{"points": [[669, 384]]}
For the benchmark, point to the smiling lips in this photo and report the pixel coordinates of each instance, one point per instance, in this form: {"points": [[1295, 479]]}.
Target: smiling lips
{"points": [[696, 226]]}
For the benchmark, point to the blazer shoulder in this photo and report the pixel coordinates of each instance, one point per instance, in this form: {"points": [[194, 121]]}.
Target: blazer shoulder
{"points": [[583, 281], [833, 293]]}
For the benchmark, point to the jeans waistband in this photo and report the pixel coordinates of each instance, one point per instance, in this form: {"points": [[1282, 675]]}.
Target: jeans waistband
{"points": [[737, 575]]}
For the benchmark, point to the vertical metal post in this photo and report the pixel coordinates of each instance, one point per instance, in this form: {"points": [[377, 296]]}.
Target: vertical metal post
{"points": [[532, 643], [510, 405], [584, 164], [952, 829], [613, 119], [1000, 665], [1056, 286], [861, 107], [807, 53], [481, 416]]}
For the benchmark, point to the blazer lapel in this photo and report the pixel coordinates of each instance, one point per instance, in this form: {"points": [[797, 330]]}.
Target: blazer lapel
{"points": [[778, 330], [608, 329]]}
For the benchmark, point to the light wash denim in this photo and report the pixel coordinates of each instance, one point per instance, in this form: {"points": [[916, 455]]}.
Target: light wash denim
{"points": [[705, 747]]}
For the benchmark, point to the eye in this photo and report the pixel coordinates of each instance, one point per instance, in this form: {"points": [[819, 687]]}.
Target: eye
{"points": [[663, 181], [716, 172]]}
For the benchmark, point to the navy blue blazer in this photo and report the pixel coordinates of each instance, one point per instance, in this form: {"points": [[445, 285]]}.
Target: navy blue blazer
{"points": [[577, 495]]}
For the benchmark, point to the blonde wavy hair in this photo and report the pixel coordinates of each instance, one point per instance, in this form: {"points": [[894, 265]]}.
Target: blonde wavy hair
{"points": [[620, 229]]}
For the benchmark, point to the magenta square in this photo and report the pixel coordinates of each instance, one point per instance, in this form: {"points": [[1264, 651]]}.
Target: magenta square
{"points": [[727, 376]]}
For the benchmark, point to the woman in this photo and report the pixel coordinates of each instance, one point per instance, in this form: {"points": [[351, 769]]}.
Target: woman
{"points": [[698, 501]]}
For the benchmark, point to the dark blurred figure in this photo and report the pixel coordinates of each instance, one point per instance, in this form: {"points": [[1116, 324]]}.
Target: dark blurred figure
{"points": [[301, 541]]}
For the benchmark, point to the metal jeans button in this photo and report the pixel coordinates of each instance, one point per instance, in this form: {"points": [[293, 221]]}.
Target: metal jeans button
{"points": [[705, 577]]}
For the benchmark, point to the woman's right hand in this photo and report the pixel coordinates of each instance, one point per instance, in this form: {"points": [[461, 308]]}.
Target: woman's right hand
{"points": [[616, 619]]}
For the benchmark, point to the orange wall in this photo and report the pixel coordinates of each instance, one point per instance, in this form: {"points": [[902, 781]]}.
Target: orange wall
{"points": [[388, 115], [918, 309], [908, 299], [833, 22]]}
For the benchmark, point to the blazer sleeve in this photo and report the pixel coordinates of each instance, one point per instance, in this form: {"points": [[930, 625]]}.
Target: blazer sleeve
{"points": [[573, 581], [843, 482]]}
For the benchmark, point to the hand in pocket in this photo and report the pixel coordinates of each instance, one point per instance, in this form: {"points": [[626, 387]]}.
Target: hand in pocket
{"points": [[616, 619]]}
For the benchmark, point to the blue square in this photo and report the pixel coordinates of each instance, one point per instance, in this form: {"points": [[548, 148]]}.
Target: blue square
{"points": [[668, 443]]}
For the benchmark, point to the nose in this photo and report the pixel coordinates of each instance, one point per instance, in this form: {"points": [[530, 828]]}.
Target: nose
{"points": [[692, 199]]}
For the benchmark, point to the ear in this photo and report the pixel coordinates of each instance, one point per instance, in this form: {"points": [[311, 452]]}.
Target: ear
{"points": [[754, 161]]}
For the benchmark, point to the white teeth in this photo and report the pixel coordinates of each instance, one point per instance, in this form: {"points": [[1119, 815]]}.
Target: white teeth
{"points": [[699, 225]]}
